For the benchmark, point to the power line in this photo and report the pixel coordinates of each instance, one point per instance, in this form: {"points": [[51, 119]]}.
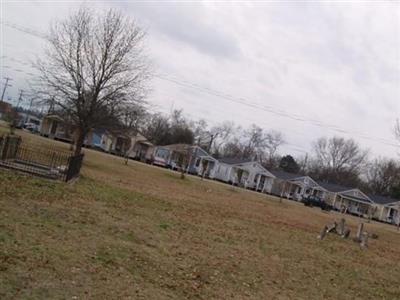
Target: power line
{"points": [[24, 29], [281, 114]]}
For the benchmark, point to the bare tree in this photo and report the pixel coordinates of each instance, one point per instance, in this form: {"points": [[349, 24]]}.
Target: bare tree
{"points": [[383, 175], [181, 131], [255, 144], [338, 159], [94, 65], [129, 121], [303, 163], [184, 155], [201, 133], [233, 148], [157, 129], [165, 130], [252, 143], [273, 140], [221, 135]]}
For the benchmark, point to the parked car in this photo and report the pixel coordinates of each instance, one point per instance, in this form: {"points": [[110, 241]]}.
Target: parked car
{"points": [[31, 127], [312, 201]]}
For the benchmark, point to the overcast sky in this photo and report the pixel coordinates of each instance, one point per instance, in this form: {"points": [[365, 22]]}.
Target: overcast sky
{"points": [[307, 69]]}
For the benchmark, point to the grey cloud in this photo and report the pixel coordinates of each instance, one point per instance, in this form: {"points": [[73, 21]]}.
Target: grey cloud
{"points": [[187, 23]]}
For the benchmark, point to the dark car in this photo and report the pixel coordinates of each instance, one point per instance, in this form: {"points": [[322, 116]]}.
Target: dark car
{"points": [[312, 201]]}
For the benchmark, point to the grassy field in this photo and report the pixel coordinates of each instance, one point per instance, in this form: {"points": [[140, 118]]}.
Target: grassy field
{"points": [[140, 232]]}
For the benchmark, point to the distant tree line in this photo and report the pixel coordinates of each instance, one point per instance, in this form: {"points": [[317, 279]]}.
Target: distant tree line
{"points": [[334, 160]]}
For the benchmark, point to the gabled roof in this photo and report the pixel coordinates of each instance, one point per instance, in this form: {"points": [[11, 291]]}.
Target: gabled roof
{"points": [[200, 151], [234, 160], [378, 199], [245, 164], [54, 117], [359, 199], [177, 147], [335, 188], [285, 175], [121, 133], [298, 179]]}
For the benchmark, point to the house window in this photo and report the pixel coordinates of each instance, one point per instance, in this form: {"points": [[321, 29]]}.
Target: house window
{"points": [[198, 162]]}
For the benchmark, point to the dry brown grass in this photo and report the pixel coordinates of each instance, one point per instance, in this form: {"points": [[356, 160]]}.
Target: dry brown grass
{"points": [[139, 232]]}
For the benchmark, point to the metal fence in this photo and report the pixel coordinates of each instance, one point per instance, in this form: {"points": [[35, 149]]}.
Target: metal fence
{"points": [[39, 160]]}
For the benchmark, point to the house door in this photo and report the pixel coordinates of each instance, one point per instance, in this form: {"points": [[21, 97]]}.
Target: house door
{"points": [[261, 184], [53, 128]]}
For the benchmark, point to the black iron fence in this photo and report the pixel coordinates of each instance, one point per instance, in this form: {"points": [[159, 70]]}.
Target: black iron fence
{"points": [[39, 160]]}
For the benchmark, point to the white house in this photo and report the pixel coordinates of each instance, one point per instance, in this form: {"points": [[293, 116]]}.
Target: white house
{"points": [[387, 209], [141, 148], [295, 186], [199, 162], [56, 127], [135, 145], [349, 200], [247, 173]]}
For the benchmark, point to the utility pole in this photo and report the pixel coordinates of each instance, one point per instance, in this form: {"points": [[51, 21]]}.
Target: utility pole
{"points": [[5, 87], [20, 97], [29, 111]]}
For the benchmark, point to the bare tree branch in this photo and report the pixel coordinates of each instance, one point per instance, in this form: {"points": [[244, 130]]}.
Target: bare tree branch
{"points": [[94, 67]]}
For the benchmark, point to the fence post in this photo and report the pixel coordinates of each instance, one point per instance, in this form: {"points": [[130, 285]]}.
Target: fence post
{"points": [[4, 148]]}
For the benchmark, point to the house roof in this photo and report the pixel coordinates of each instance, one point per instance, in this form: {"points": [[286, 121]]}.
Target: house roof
{"points": [[359, 199], [118, 132], [145, 142], [177, 147], [54, 117], [285, 175], [233, 160], [200, 151], [195, 150], [378, 199], [336, 188]]}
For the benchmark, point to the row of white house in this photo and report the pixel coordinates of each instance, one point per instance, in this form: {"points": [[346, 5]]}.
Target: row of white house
{"points": [[244, 173], [252, 175]]}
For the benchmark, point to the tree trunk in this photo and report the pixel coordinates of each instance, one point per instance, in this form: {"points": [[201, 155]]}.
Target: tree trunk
{"points": [[79, 141]]}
